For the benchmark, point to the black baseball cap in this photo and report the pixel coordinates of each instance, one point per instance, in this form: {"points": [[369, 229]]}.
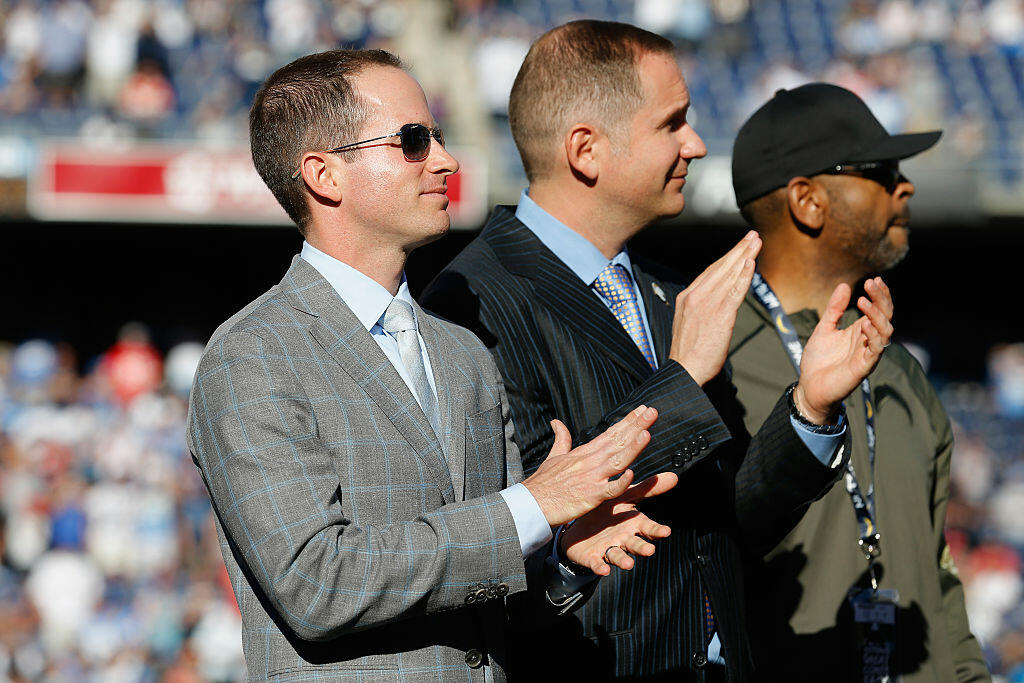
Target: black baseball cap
{"points": [[807, 130]]}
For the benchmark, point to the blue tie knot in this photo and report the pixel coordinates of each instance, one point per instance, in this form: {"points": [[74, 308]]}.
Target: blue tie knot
{"points": [[615, 284]]}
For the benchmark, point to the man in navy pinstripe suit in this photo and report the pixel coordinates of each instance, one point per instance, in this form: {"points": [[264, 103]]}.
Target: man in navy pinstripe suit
{"points": [[369, 500], [582, 330]]}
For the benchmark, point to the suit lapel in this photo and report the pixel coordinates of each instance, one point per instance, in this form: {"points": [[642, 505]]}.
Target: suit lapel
{"points": [[560, 290], [450, 401], [344, 338], [659, 302]]}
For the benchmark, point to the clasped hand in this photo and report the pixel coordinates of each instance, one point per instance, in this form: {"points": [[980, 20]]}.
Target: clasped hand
{"points": [[577, 484], [616, 530]]}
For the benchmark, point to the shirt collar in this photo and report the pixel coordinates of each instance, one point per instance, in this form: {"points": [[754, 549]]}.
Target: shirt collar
{"points": [[571, 248], [366, 297]]}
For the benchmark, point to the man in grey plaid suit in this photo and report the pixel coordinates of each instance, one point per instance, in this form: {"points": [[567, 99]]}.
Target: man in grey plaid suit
{"points": [[368, 496]]}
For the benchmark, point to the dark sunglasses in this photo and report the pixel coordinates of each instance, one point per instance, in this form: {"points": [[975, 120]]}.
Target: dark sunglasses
{"points": [[885, 173], [415, 139]]}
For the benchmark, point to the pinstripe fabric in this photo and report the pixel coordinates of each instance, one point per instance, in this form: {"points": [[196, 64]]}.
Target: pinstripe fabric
{"points": [[349, 555], [563, 354]]}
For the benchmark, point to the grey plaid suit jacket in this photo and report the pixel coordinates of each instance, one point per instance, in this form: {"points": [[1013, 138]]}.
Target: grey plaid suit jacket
{"points": [[350, 553]]}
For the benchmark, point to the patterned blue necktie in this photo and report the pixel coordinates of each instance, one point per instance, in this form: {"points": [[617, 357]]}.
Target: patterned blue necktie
{"points": [[615, 284], [709, 619]]}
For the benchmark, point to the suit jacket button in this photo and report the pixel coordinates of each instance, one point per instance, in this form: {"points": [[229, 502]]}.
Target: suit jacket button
{"points": [[700, 660], [471, 598], [474, 659], [702, 442], [678, 459], [502, 589]]}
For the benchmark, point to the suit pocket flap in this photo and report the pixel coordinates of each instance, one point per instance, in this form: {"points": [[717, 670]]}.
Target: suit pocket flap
{"points": [[485, 424], [485, 452]]}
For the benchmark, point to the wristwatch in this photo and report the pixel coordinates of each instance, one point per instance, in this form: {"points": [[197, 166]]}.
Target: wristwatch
{"points": [[810, 426]]}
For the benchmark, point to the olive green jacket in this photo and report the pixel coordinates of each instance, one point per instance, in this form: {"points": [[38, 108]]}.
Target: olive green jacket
{"points": [[799, 620]]}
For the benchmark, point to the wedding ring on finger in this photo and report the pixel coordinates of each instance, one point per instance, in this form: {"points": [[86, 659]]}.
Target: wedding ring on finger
{"points": [[620, 547]]}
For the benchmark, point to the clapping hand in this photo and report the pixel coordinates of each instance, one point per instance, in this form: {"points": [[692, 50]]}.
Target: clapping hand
{"points": [[705, 311], [615, 530], [835, 361], [571, 483]]}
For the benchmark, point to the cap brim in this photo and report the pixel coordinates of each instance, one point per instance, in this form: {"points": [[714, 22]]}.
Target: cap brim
{"points": [[897, 147]]}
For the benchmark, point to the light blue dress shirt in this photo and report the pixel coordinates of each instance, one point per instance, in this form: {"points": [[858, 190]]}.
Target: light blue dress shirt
{"points": [[587, 262], [368, 300]]}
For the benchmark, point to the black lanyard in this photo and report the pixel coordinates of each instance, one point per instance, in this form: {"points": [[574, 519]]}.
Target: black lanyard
{"points": [[863, 506]]}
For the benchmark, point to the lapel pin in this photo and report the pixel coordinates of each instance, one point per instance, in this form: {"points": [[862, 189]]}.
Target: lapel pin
{"points": [[659, 292]]}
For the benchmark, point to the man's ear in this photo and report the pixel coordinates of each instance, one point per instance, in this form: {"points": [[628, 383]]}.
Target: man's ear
{"points": [[583, 149], [322, 177], [808, 204]]}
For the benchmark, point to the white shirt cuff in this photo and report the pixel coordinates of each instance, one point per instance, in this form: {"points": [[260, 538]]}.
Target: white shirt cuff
{"points": [[531, 525]]}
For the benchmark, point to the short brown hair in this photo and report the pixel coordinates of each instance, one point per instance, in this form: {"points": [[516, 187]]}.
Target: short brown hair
{"points": [[578, 70], [305, 105]]}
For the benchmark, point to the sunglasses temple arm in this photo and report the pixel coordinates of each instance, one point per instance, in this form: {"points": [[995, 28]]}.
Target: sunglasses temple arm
{"points": [[363, 142], [350, 145], [344, 147]]}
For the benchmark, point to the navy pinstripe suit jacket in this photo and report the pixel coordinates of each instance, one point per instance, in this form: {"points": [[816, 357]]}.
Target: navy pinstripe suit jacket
{"points": [[563, 354], [350, 553]]}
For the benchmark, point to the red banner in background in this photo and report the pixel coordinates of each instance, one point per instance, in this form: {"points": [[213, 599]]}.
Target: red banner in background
{"points": [[169, 183]]}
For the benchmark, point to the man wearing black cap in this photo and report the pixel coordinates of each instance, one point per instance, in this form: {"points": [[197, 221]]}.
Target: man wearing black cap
{"points": [[864, 586]]}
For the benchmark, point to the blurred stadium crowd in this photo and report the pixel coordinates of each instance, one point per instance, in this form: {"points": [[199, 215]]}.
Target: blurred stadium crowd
{"points": [[919, 64], [110, 567], [125, 68], [118, 69]]}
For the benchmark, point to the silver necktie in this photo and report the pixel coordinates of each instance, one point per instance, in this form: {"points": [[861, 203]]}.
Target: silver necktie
{"points": [[398, 321]]}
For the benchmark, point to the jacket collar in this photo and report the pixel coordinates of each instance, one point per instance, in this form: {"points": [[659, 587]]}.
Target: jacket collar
{"points": [[337, 330], [560, 290]]}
